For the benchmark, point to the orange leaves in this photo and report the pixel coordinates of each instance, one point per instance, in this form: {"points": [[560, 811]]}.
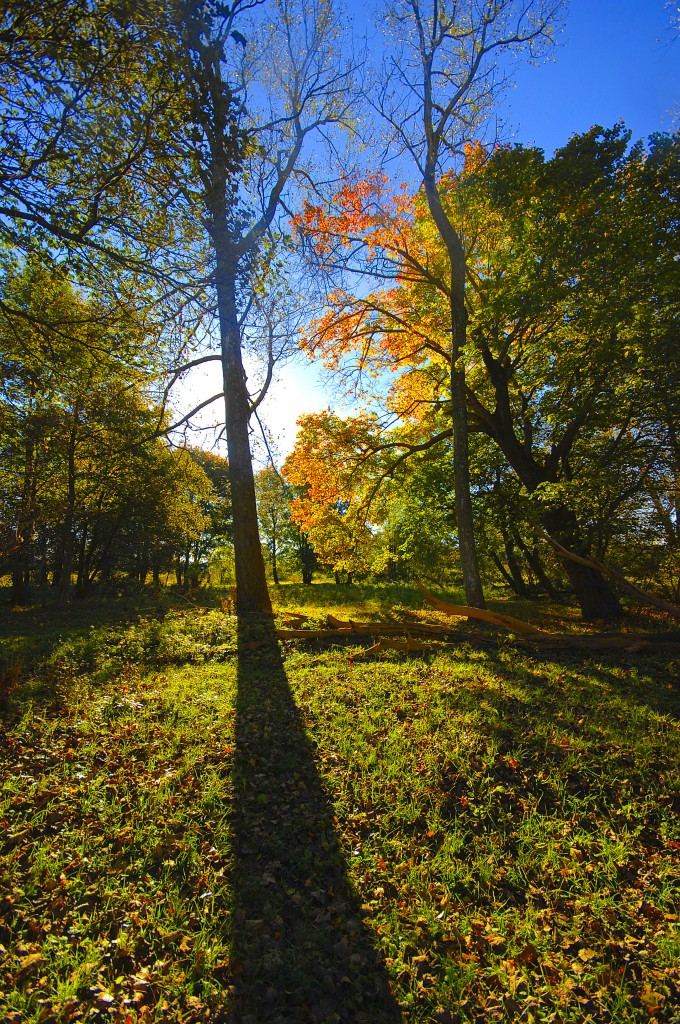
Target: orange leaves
{"points": [[329, 463], [361, 211]]}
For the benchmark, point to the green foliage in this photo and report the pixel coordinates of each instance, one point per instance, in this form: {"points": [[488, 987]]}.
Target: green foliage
{"points": [[86, 484]]}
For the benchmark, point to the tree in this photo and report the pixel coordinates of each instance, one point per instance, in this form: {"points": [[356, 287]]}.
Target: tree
{"points": [[570, 308], [206, 165], [273, 503], [306, 90], [438, 90], [86, 486]]}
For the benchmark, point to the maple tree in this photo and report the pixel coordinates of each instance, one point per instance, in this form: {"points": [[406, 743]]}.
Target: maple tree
{"points": [[558, 368]]}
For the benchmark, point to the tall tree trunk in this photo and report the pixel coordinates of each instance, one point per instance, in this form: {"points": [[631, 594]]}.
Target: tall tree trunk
{"points": [[275, 573], [66, 559], [474, 593], [24, 528], [81, 581], [252, 595]]}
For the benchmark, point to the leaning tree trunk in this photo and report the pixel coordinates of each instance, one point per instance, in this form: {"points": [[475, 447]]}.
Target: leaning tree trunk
{"points": [[519, 584], [474, 593], [252, 595], [536, 565], [594, 594]]}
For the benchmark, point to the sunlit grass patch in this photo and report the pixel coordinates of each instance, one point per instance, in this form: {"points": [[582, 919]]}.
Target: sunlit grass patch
{"points": [[508, 822]]}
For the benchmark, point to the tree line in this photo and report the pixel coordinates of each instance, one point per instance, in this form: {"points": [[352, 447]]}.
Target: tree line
{"points": [[571, 312], [183, 180], [90, 489]]}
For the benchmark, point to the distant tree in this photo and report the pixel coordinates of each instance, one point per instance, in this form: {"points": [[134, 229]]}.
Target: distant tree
{"points": [[86, 488], [273, 503]]}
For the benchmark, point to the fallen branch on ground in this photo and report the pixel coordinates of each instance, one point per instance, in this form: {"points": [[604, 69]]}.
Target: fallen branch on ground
{"points": [[495, 618], [616, 577], [432, 636]]}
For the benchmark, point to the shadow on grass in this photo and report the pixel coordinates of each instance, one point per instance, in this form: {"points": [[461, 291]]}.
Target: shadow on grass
{"points": [[301, 952]]}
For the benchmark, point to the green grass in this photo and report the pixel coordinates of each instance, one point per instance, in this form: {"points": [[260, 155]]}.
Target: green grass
{"points": [[197, 827]]}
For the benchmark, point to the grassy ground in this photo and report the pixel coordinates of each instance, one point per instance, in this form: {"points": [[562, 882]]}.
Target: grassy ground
{"points": [[199, 829]]}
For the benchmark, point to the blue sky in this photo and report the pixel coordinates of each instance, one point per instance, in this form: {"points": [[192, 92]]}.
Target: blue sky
{"points": [[616, 59]]}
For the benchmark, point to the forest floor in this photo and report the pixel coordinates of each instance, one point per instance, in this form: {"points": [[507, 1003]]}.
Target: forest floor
{"points": [[202, 825]]}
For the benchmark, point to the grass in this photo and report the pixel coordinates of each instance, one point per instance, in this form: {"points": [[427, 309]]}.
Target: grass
{"points": [[199, 829]]}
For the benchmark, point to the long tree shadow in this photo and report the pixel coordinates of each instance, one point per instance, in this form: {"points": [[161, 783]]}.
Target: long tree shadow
{"points": [[301, 951]]}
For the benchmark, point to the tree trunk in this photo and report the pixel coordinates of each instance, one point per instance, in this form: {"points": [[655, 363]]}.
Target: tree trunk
{"points": [[536, 565], [24, 529], [595, 596], [66, 559], [474, 593], [252, 595], [81, 582], [504, 573], [518, 582], [274, 569]]}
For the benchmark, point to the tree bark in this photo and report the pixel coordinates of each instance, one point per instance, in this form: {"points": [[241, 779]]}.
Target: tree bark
{"points": [[252, 595], [474, 593], [274, 569], [504, 572], [66, 559], [536, 565], [519, 584], [24, 528], [596, 598]]}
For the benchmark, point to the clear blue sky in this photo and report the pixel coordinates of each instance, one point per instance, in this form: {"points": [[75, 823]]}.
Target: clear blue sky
{"points": [[617, 59]]}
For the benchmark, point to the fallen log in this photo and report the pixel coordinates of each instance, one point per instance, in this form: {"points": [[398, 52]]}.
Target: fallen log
{"points": [[311, 634], [389, 628], [409, 645], [495, 618], [417, 634]]}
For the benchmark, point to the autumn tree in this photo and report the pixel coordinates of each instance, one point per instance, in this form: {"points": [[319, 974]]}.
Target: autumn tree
{"points": [[559, 360], [439, 84]]}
